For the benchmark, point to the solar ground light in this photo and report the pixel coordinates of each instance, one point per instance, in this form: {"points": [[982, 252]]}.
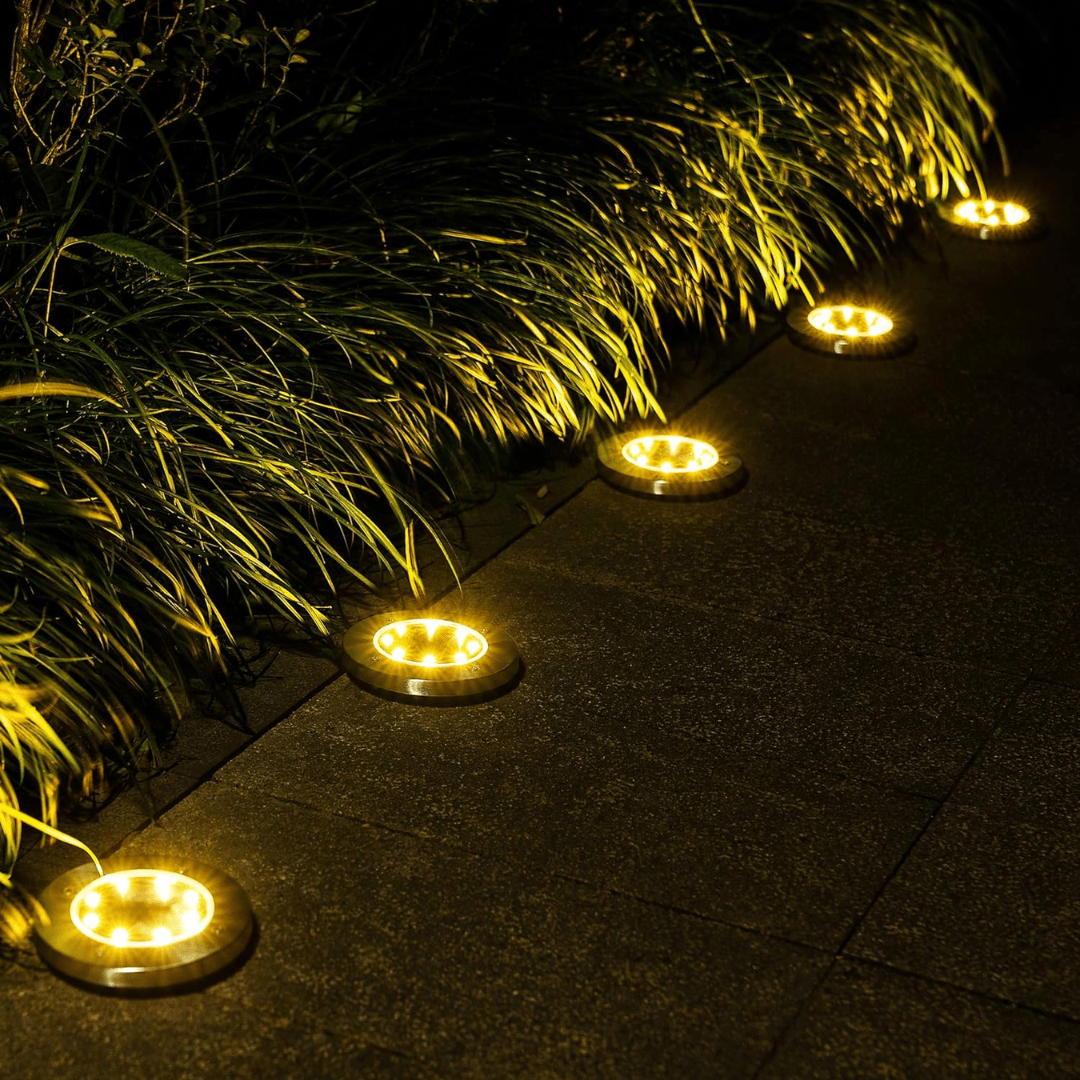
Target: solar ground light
{"points": [[992, 219], [143, 926], [429, 660], [848, 330], [667, 465]]}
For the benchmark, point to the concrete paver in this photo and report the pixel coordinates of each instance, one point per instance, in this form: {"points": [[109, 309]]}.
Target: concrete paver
{"points": [[868, 1021], [987, 904]]}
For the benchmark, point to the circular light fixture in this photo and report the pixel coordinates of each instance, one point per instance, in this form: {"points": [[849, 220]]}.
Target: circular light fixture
{"points": [[143, 927], [992, 219], [427, 659], [848, 330], [662, 464]]}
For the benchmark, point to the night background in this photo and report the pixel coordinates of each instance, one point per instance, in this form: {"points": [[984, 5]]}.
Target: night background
{"points": [[324, 317]]}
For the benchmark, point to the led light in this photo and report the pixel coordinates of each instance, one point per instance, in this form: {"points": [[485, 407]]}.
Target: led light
{"points": [[850, 321], [427, 659], [668, 465], [410, 642], [992, 219], [143, 927], [848, 329], [126, 907]]}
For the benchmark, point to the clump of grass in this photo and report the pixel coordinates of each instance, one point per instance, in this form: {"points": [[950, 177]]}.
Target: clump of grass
{"points": [[251, 317]]}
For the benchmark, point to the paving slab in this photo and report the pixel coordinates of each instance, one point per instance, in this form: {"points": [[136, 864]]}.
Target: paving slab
{"points": [[741, 684], [870, 1022], [276, 683], [985, 903], [1029, 770], [986, 464], [748, 842], [1063, 664], [914, 592]]}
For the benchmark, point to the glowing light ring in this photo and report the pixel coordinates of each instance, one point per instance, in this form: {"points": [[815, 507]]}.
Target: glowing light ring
{"points": [[673, 454], [111, 930], [990, 212], [143, 906], [662, 464], [992, 219], [844, 329], [427, 643], [846, 320], [428, 670]]}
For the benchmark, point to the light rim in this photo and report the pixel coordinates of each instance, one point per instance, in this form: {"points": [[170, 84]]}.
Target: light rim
{"points": [[378, 646], [722, 478], [68, 950], [803, 333], [80, 918], [1032, 229], [442, 684]]}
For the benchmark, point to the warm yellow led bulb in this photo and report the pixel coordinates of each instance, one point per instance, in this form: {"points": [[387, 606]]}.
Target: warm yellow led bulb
{"points": [[430, 643], [850, 321], [985, 213], [141, 908], [670, 454]]}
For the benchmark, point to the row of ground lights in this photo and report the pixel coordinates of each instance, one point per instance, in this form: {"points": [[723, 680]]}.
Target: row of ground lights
{"points": [[180, 921]]}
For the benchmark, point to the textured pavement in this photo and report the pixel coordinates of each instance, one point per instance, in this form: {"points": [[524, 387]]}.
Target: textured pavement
{"points": [[789, 788]]}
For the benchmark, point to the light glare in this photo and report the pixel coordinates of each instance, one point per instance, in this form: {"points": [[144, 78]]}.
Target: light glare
{"points": [[138, 908], [986, 213], [850, 321], [670, 454], [430, 643]]}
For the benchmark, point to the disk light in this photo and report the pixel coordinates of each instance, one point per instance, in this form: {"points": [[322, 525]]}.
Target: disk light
{"points": [[667, 464], [139, 927], [992, 219], [428, 659], [848, 329]]}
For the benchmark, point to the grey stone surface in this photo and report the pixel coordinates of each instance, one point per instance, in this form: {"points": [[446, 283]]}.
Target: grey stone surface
{"points": [[740, 684], [439, 961], [1029, 771], [1062, 665], [916, 451], [869, 1022], [987, 903], [608, 802], [916, 594]]}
